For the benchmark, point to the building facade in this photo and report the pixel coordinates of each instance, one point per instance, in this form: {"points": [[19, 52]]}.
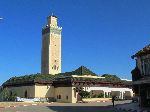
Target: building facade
{"points": [[66, 87], [51, 47], [141, 76]]}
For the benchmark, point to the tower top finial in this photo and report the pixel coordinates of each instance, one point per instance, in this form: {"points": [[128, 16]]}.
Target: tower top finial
{"points": [[52, 20], [53, 15]]}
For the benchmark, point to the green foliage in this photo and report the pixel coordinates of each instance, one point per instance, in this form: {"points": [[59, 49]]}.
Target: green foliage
{"points": [[101, 95], [84, 94], [4, 95], [12, 96]]}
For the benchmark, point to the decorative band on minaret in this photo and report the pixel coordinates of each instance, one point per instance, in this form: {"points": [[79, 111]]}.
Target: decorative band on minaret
{"points": [[51, 47]]}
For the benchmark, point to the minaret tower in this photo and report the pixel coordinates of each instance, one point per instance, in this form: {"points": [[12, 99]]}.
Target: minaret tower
{"points": [[51, 47]]}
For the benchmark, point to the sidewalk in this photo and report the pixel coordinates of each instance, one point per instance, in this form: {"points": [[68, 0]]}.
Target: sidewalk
{"points": [[131, 107]]}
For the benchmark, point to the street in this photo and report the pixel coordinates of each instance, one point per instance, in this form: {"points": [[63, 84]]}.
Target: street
{"points": [[68, 107]]}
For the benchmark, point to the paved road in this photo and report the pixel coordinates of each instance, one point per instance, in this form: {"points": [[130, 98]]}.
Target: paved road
{"points": [[67, 107]]}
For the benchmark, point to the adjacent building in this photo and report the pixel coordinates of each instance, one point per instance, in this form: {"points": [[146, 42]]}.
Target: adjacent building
{"points": [[141, 76]]}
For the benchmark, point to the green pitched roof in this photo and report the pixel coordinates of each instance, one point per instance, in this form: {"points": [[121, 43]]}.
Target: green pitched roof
{"points": [[30, 78], [80, 71]]}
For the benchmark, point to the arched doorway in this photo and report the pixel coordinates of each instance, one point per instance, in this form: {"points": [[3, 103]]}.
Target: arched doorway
{"points": [[25, 94]]}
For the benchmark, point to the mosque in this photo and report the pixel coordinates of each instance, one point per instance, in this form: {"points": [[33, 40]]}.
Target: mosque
{"points": [[53, 85]]}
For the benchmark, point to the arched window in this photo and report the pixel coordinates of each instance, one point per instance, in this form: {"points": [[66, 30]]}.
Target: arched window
{"points": [[59, 97], [67, 97], [25, 94]]}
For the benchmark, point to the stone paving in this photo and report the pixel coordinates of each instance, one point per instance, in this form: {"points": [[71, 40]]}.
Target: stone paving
{"points": [[131, 107]]}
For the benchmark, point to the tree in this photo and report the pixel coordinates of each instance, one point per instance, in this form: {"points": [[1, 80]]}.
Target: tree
{"points": [[12, 96], [101, 95], [84, 94], [4, 94]]}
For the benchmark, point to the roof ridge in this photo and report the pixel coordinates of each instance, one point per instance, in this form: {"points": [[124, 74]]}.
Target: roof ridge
{"points": [[142, 52]]}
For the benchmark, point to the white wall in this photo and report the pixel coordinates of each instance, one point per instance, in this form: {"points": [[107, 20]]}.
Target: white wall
{"points": [[111, 89]]}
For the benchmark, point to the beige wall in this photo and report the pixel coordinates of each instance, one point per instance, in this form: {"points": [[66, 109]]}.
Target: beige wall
{"points": [[21, 91], [68, 94], [64, 92], [41, 91], [74, 95], [44, 91]]}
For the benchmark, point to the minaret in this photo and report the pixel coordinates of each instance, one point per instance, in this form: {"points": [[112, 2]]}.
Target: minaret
{"points": [[51, 47]]}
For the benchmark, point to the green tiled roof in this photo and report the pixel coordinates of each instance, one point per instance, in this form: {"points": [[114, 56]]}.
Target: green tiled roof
{"points": [[30, 78], [47, 78], [80, 71]]}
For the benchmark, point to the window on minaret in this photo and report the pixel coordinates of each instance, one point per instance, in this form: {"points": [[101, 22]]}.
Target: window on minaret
{"points": [[54, 67]]}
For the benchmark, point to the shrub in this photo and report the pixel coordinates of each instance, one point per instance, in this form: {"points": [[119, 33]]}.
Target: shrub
{"points": [[84, 94], [101, 95]]}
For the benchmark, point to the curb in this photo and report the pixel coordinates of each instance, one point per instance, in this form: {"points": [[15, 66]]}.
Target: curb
{"points": [[102, 101], [34, 104], [8, 107]]}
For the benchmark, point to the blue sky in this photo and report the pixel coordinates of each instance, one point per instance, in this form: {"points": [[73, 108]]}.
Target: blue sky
{"points": [[99, 34]]}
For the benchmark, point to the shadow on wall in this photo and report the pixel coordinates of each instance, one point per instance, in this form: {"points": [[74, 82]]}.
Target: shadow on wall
{"points": [[50, 95]]}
